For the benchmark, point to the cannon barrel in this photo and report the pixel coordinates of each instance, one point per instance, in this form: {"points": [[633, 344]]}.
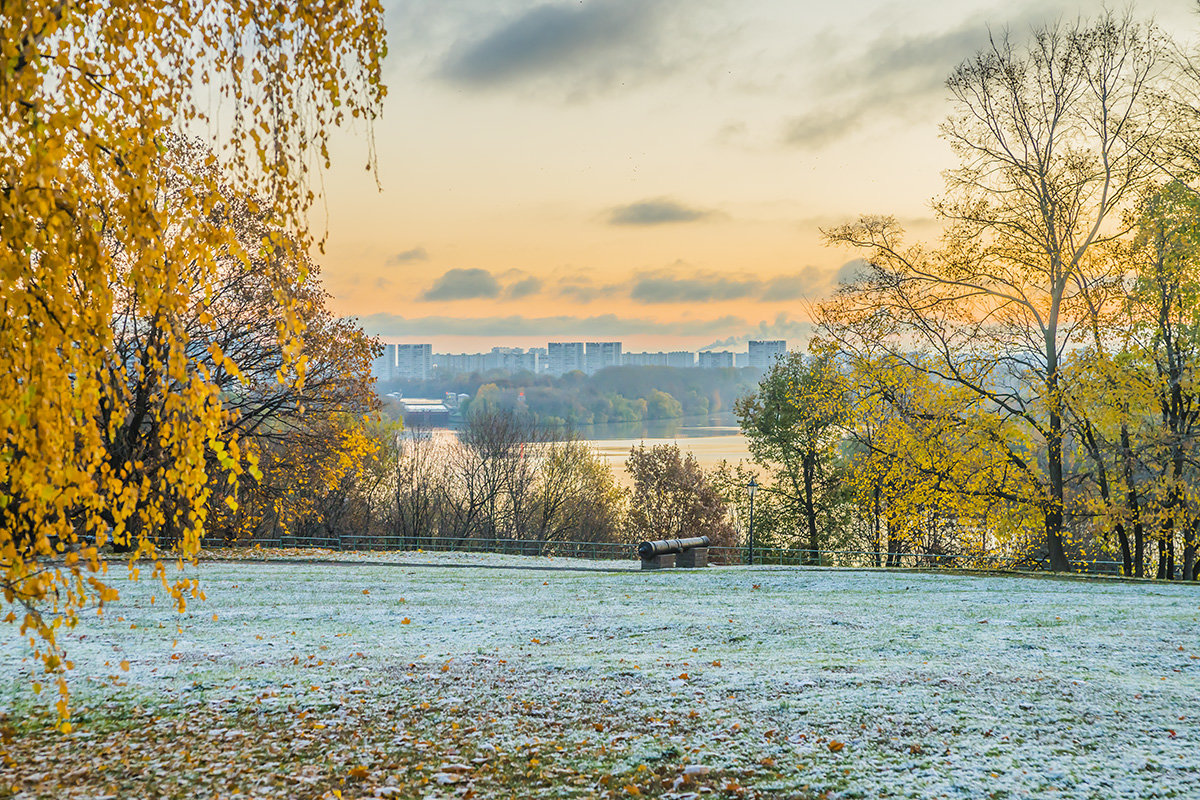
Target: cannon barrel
{"points": [[664, 546]]}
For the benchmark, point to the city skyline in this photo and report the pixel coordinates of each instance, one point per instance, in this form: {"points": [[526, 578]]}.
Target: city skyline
{"points": [[652, 170], [419, 361]]}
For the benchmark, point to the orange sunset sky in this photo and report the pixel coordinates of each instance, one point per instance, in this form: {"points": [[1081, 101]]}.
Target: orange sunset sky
{"points": [[651, 171]]}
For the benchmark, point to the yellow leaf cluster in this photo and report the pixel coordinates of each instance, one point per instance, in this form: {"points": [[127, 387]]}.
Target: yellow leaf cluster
{"points": [[107, 239]]}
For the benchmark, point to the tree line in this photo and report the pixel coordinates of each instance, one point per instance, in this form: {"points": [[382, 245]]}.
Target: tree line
{"points": [[506, 477], [615, 394]]}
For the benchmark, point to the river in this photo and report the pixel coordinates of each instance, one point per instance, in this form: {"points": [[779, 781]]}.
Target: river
{"points": [[710, 439]]}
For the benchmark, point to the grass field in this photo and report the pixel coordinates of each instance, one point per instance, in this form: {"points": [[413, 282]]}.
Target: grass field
{"points": [[313, 680]]}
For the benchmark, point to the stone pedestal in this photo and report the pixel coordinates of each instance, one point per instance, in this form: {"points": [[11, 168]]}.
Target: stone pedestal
{"points": [[665, 561], [693, 557]]}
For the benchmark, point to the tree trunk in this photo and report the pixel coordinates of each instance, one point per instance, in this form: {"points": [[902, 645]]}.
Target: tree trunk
{"points": [[876, 540], [1189, 551], [1054, 508], [1133, 504], [810, 509]]}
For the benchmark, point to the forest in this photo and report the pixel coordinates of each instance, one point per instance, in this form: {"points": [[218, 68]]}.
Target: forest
{"points": [[615, 394]]}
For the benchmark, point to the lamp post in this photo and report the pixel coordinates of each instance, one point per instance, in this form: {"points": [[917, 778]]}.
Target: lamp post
{"points": [[752, 487]]}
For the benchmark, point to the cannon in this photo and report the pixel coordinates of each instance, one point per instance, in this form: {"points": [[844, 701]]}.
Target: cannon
{"points": [[691, 552]]}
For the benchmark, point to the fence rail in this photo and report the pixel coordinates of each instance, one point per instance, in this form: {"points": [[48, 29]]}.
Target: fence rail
{"points": [[614, 551]]}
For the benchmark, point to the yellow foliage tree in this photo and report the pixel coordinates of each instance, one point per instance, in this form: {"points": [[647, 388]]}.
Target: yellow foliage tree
{"points": [[1057, 138], [88, 93]]}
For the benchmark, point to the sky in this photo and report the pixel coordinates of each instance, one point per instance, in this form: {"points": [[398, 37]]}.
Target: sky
{"points": [[651, 171]]}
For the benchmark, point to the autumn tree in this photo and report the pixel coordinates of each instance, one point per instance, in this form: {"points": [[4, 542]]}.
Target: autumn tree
{"points": [[309, 436], [672, 497], [1165, 315], [1056, 138], [575, 496], [1137, 406], [794, 426], [88, 93]]}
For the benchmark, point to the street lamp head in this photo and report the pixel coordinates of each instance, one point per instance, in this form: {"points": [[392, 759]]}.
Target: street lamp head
{"points": [[752, 486]]}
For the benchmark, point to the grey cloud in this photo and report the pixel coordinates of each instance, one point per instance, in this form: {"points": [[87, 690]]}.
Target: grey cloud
{"points": [[820, 128], [603, 325], [794, 287], [669, 287], [904, 75], [852, 271], [796, 332], [463, 284], [677, 286], [584, 291], [656, 212], [523, 288], [590, 45], [409, 256]]}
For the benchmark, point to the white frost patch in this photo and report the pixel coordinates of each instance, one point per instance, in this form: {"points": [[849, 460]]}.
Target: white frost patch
{"points": [[934, 685]]}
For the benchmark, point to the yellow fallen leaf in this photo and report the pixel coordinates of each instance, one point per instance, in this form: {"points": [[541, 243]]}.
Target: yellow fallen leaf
{"points": [[359, 772], [405, 621], [125, 666], [835, 746]]}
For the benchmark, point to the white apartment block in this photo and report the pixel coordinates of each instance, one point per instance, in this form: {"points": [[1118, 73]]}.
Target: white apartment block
{"points": [[564, 357], [763, 354], [414, 361], [599, 355], [384, 367], [511, 359], [715, 359]]}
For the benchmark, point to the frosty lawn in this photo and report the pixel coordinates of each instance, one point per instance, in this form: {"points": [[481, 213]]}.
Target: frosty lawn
{"points": [[410, 681]]}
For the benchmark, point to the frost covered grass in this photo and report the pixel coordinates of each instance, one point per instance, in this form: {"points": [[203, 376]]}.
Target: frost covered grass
{"points": [[309, 679]]}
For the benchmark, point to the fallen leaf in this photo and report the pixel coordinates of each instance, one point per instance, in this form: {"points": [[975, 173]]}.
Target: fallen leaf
{"points": [[835, 746]]}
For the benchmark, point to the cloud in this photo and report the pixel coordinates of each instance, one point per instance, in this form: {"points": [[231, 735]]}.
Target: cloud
{"points": [[409, 256], [795, 332], [806, 283], [581, 289], [690, 286], [904, 75], [463, 284], [852, 271], [523, 288], [662, 211], [589, 46], [670, 287], [604, 325]]}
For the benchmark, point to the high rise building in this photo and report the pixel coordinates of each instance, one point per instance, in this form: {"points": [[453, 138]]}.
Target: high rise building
{"points": [[450, 364], [764, 354], [564, 357], [414, 361], [714, 359], [511, 360], [681, 358], [600, 355], [384, 367]]}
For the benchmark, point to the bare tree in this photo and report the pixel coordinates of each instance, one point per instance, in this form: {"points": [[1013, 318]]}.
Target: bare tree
{"points": [[1055, 138]]}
